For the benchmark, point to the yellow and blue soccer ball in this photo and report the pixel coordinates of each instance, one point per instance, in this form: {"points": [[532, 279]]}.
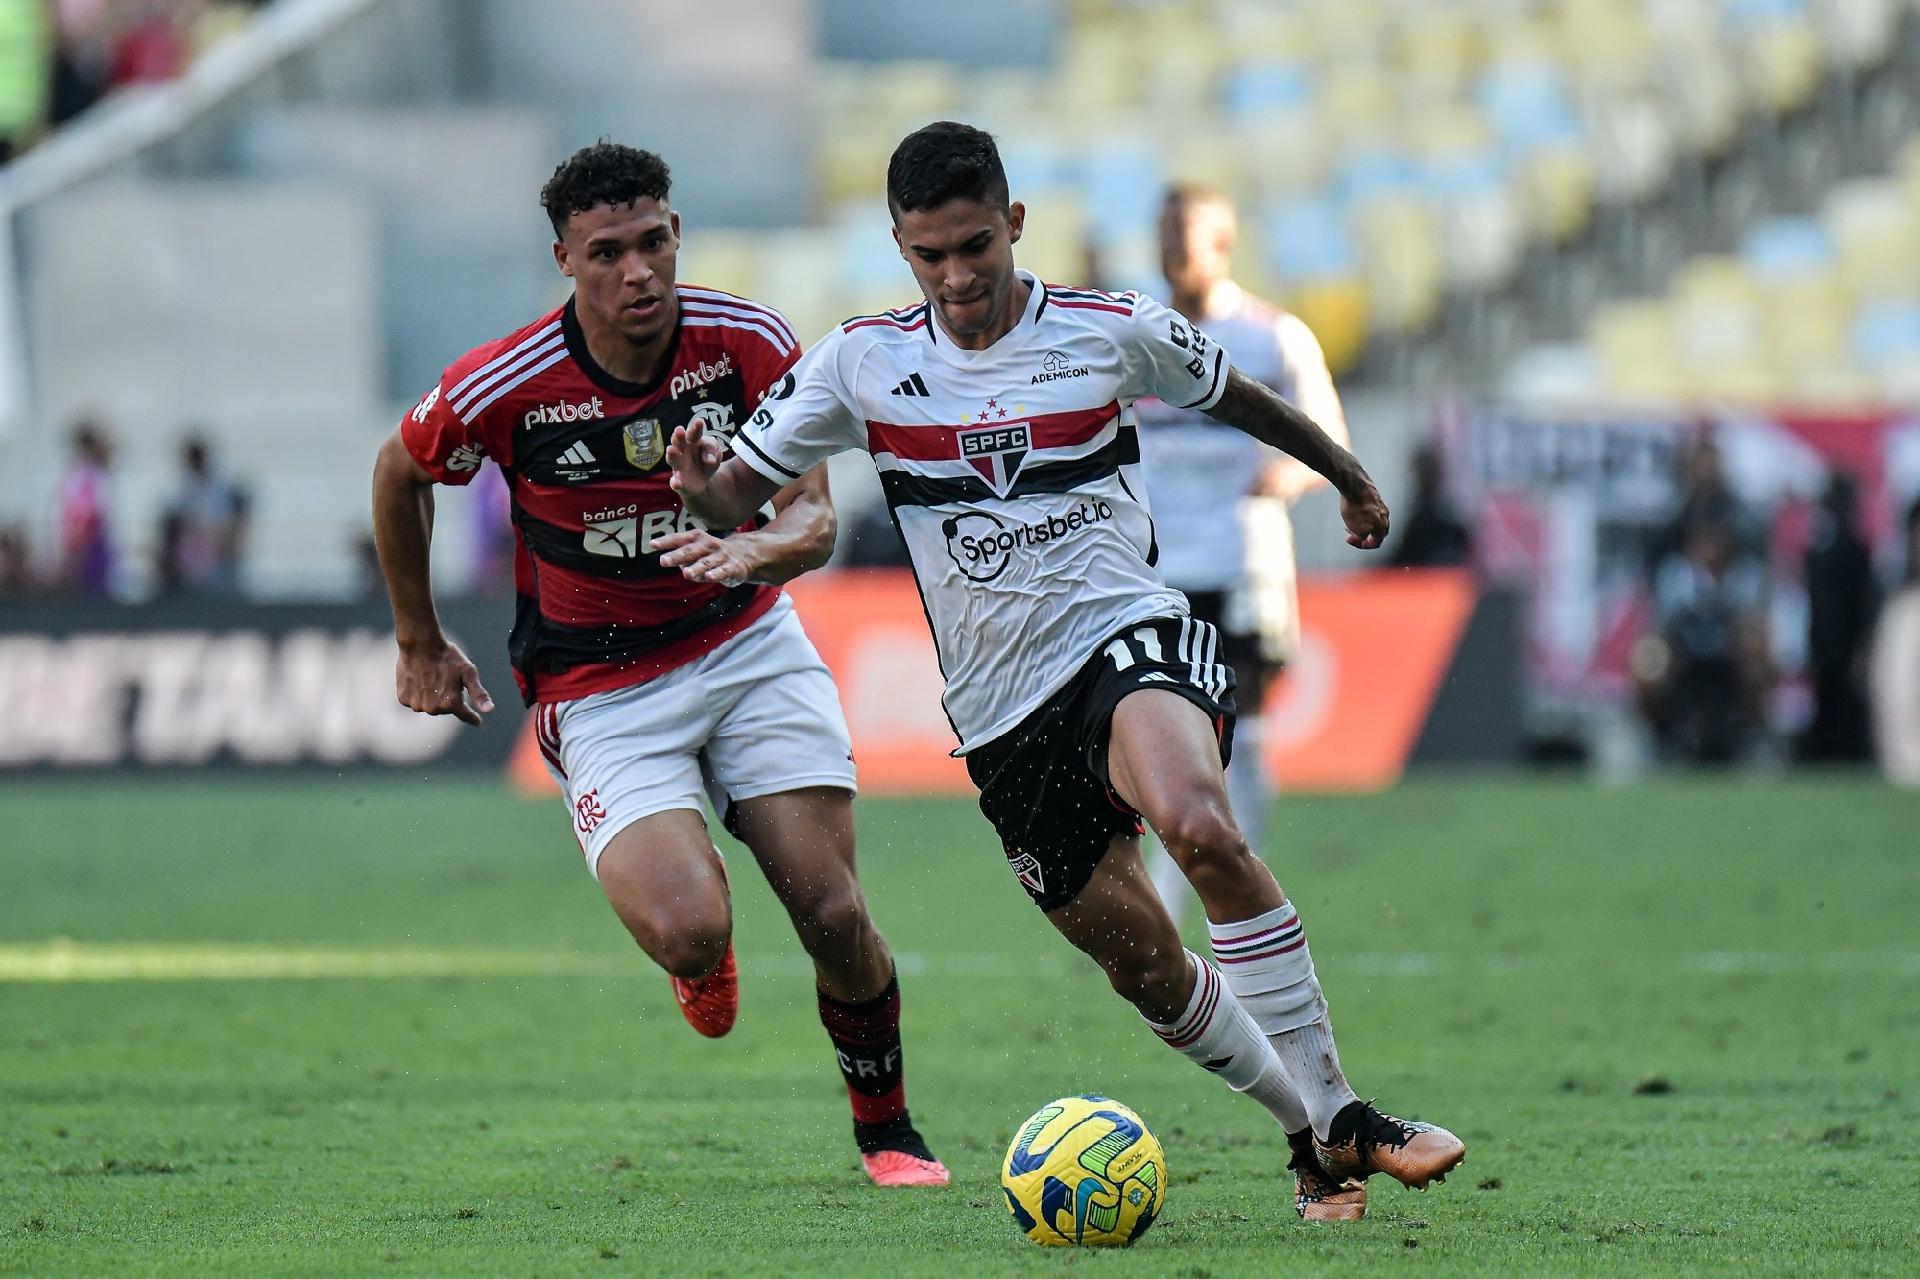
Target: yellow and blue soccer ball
{"points": [[1084, 1171]]}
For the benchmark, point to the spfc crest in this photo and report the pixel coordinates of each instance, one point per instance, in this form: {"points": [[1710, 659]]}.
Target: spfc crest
{"points": [[996, 452], [645, 441]]}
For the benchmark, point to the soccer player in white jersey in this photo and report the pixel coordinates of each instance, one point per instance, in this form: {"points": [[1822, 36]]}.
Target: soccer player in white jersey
{"points": [[1084, 693], [1226, 538]]}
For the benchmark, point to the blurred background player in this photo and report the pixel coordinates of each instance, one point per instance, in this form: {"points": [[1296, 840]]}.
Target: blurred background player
{"points": [[203, 531], [1220, 497], [998, 412], [658, 658]]}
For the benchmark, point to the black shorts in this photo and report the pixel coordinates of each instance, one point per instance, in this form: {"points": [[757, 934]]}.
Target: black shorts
{"points": [[1240, 649], [1044, 784]]}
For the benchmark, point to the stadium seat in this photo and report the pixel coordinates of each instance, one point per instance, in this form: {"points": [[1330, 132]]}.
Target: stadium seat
{"points": [[1635, 345]]}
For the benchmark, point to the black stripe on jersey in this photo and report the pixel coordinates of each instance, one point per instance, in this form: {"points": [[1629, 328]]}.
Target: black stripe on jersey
{"points": [[541, 646], [905, 489], [741, 437], [1219, 371], [1153, 529]]}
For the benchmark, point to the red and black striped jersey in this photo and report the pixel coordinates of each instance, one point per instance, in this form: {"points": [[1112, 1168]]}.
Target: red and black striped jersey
{"points": [[584, 456]]}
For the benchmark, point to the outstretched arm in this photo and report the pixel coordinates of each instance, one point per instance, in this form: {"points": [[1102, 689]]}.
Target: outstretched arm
{"points": [[1261, 413], [433, 676], [798, 539], [720, 493]]}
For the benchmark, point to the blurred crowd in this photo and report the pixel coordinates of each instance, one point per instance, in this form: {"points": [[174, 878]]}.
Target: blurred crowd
{"points": [[199, 546], [59, 57], [1705, 674]]}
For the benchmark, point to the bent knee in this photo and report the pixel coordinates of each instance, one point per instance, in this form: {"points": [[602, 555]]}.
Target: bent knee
{"points": [[836, 912], [692, 950], [1147, 976], [1201, 829]]}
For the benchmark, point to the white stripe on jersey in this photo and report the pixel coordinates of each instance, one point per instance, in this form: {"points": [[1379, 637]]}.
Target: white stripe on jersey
{"points": [[511, 383], [728, 302], [512, 374], [534, 339], [712, 320]]}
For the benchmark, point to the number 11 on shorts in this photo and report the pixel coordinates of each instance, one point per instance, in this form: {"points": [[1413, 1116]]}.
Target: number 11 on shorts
{"points": [[1123, 655]]}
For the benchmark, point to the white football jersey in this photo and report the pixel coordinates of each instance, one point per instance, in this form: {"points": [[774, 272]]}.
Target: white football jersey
{"points": [[1013, 475]]}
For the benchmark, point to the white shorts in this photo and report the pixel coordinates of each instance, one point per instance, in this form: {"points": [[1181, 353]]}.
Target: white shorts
{"points": [[758, 715]]}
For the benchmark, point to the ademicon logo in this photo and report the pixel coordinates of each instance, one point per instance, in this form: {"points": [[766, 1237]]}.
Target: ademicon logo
{"points": [[95, 699]]}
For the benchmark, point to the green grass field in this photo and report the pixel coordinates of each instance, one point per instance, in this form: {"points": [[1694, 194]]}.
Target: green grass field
{"points": [[360, 1028]]}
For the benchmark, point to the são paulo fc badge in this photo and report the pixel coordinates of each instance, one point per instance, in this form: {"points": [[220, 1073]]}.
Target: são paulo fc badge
{"points": [[1027, 867], [645, 443], [996, 452]]}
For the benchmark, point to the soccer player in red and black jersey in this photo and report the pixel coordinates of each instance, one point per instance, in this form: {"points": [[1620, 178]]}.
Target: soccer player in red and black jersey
{"points": [[660, 657]]}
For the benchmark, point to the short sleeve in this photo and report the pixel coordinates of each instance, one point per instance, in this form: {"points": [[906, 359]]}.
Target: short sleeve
{"points": [[1165, 356], [806, 418], [446, 448]]}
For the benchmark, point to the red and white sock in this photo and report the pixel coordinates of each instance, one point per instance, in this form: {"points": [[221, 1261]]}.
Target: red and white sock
{"points": [[1215, 1033], [1269, 969]]}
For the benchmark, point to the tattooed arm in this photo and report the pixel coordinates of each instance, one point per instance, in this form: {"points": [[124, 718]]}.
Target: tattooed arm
{"points": [[1261, 413]]}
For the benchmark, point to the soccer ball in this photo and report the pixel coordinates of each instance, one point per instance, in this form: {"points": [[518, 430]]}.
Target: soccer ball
{"points": [[1084, 1171]]}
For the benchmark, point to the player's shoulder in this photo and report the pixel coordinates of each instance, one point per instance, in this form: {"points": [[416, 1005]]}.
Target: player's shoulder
{"points": [[543, 335], [1088, 304], [901, 324], [734, 321]]}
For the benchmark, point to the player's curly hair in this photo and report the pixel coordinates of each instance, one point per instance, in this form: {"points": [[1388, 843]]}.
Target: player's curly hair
{"points": [[942, 162], [604, 173]]}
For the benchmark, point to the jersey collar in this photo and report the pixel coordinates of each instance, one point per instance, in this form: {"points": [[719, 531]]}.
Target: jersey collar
{"points": [[1014, 338], [600, 377]]}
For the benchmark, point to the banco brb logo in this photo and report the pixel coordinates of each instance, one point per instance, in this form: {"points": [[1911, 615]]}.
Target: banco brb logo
{"points": [[981, 544]]}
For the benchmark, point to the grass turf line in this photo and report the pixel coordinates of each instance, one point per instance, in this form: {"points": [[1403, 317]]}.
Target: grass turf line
{"points": [[1676, 1025]]}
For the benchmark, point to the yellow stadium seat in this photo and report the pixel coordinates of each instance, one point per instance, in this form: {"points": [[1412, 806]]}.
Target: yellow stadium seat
{"points": [[1784, 62], [728, 260], [1336, 311], [1556, 192], [1403, 269], [1876, 234], [1634, 343], [1806, 326], [1053, 244]]}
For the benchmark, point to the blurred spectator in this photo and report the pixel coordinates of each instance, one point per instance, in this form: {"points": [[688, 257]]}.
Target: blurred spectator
{"points": [[1431, 535], [85, 565], [493, 540], [1841, 602], [1896, 669], [26, 46], [203, 530], [16, 564], [369, 582], [1704, 675], [1705, 498], [152, 48]]}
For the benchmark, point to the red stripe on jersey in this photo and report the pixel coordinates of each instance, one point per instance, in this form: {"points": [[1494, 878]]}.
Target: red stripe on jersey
{"points": [[1068, 305], [603, 677], [893, 321], [939, 443]]}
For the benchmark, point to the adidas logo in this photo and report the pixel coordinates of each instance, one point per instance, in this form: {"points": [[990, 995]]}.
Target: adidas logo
{"points": [[579, 455], [912, 386]]}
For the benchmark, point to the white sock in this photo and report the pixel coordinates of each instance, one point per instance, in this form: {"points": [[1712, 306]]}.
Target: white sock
{"points": [[1169, 881], [1270, 971], [1247, 788], [1215, 1033]]}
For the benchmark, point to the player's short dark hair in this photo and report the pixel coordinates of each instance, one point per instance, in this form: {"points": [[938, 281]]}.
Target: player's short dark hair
{"points": [[604, 173], [943, 162]]}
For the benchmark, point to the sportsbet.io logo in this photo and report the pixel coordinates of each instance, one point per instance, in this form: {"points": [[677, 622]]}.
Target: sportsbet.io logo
{"points": [[982, 544]]}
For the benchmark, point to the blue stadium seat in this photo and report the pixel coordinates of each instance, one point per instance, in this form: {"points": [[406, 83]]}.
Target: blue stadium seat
{"points": [[1307, 239], [1787, 248], [1886, 333]]}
